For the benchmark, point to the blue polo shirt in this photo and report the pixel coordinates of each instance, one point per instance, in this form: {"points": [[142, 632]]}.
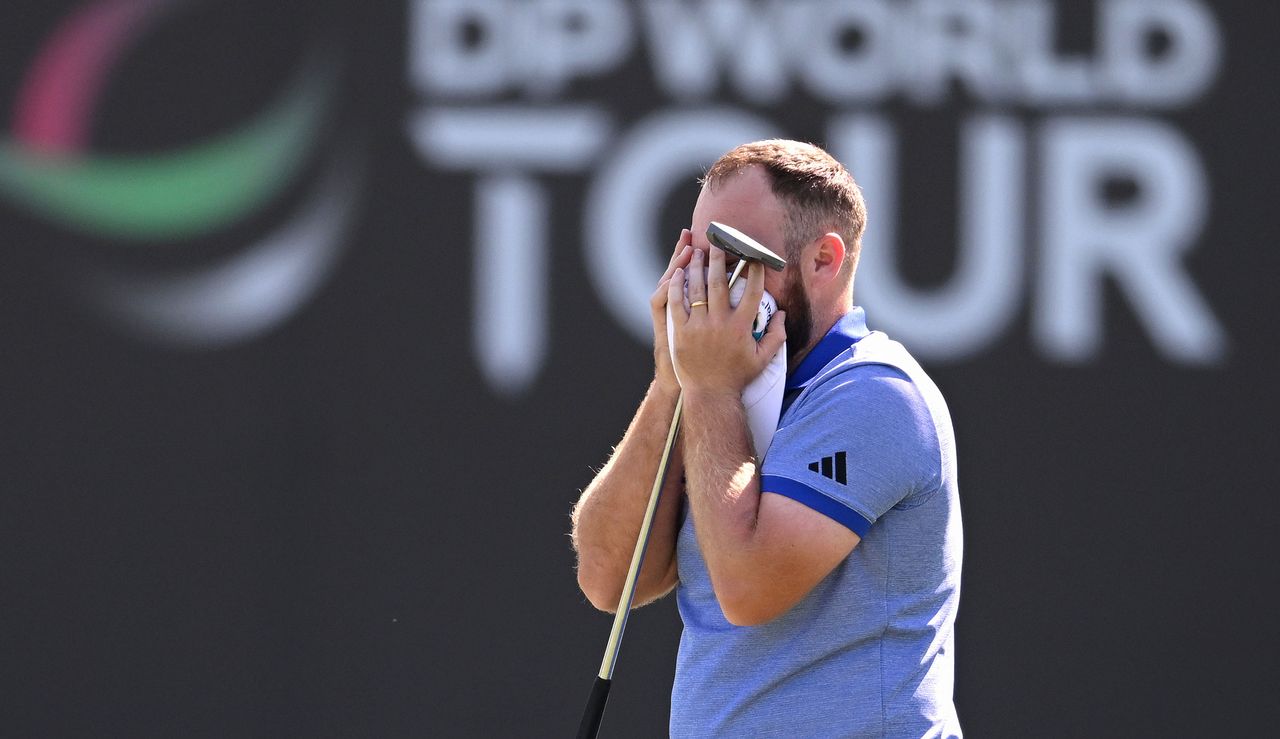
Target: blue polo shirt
{"points": [[865, 438]]}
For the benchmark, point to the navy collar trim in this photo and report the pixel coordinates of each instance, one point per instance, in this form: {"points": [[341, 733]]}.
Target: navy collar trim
{"points": [[851, 327]]}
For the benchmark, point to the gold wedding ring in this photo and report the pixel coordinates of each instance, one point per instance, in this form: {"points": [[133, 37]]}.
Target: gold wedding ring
{"points": [[696, 304]]}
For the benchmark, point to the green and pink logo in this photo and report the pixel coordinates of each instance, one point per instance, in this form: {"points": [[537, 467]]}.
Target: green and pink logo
{"points": [[158, 200]]}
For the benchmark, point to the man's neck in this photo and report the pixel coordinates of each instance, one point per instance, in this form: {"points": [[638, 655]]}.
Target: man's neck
{"points": [[821, 326]]}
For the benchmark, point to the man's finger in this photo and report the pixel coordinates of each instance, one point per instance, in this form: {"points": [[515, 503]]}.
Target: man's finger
{"points": [[658, 301], [680, 256], [696, 276], [675, 288], [717, 283], [685, 239], [774, 336], [749, 306]]}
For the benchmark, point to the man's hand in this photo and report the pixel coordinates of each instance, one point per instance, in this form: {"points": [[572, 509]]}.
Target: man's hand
{"points": [[606, 521], [664, 374], [717, 352]]}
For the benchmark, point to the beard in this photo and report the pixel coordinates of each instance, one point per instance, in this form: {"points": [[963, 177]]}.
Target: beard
{"points": [[799, 319]]}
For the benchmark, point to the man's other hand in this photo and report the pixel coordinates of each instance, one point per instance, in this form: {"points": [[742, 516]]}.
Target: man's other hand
{"points": [[664, 373]]}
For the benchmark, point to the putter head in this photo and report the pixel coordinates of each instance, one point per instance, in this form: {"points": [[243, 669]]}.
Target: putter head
{"points": [[742, 246]]}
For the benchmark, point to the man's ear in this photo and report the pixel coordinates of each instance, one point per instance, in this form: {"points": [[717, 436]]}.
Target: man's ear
{"points": [[828, 257]]}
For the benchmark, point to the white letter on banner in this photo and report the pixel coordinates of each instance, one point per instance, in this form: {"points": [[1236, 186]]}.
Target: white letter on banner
{"points": [[440, 59], [1139, 244], [509, 283], [981, 298], [511, 217], [625, 201], [833, 71], [690, 43], [1046, 77], [957, 40], [575, 38], [1186, 68]]}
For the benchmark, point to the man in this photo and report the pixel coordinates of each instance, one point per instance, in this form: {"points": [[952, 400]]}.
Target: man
{"points": [[818, 587]]}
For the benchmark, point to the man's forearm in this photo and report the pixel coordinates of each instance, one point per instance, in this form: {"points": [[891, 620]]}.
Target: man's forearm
{"points": [[723, 487], [606, 521], [764, 553]]}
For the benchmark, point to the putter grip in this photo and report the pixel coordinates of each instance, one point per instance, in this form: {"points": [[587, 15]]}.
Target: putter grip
{"points": [[592, 716]]}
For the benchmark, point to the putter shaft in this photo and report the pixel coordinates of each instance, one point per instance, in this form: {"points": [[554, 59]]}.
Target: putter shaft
{"points": [[642, 541], [594, 713]]}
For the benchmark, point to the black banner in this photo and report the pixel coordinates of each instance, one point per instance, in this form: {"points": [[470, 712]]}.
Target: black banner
{"points": [[318, 316]]}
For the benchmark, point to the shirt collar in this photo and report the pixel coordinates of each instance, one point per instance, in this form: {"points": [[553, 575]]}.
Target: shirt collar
{"points": [[851, 327]]}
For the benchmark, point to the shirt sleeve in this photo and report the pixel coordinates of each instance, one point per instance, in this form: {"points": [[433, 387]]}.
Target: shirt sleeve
{"points": [[856, 446]]}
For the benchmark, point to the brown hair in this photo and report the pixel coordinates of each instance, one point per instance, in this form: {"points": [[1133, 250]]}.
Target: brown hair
{"points": [[817, 191]]}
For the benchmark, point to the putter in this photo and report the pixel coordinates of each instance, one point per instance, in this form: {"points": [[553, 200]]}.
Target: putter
{"points": [[746, 249]]}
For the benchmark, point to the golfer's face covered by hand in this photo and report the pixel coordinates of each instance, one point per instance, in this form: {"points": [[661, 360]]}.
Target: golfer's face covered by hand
{"points": [[713, 342]]}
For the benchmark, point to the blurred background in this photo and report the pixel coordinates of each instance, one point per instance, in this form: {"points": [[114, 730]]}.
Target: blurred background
{"points": [[316, 317]]}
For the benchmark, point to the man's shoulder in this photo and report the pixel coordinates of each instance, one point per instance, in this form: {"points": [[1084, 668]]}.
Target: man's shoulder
{"points": [[879, 396], [875, 365], [865, 433], [876, 385]]}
